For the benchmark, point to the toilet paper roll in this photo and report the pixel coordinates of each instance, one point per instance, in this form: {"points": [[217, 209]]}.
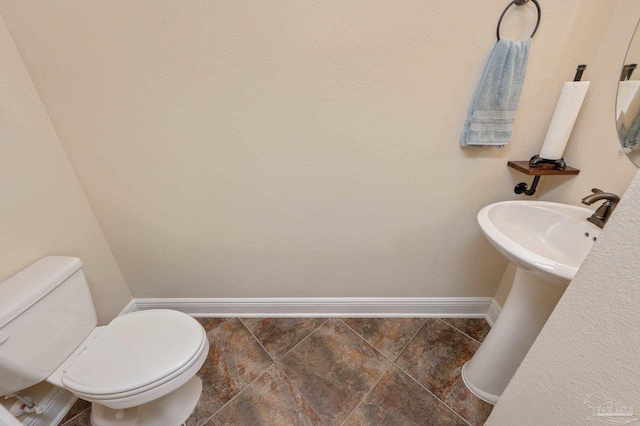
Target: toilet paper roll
{"points": [[564, 118]]}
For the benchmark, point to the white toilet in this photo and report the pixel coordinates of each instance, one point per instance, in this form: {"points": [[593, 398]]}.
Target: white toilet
{"points": [[138, 370]]}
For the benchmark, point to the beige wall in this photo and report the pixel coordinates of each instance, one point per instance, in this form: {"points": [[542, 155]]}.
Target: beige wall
{"points": [[253, 149], [43, 210], [592, 340]]}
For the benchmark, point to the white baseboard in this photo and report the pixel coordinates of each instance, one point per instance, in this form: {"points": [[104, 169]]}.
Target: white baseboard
{"points": [[438, 307], [131, 307], [493, 312]]}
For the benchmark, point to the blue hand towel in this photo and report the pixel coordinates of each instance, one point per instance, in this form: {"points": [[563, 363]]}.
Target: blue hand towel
{"points": [[494, 104]]}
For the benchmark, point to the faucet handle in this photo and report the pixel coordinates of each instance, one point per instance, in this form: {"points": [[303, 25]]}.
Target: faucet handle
{"points": [[597, 191]]}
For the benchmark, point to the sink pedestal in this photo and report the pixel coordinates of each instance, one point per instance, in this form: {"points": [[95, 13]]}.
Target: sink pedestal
{"points": [[528, 306]]}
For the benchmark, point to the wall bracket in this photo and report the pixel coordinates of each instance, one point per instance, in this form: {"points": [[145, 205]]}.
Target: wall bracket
{"points": [[521, 188], [543, 169]]}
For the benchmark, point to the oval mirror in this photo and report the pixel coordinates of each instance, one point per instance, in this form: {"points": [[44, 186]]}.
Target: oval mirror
{"points": [[628, 102]]}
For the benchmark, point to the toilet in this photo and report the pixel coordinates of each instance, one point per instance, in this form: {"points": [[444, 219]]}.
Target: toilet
{"points": [[138, 370]]}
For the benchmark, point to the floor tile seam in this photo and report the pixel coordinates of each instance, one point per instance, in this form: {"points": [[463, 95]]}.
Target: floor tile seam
{"points": [[366, 341], [460, 331], [76, 416], [300, 392], [300, 342], [367, 393], [273, 361], [410, 340], [226, 320], [237, 395], [433, 394]]}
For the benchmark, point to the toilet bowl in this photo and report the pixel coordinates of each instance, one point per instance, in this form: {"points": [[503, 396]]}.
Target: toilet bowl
{"points": [[137, 359], [138, 370]]}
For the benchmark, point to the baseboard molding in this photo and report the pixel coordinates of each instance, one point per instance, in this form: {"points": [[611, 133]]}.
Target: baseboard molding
{"points": [[131, 307], [440, 307], [493, 312]]}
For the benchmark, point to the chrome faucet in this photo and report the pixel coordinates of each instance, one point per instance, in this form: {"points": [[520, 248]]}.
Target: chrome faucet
{"points": [[603, 213]]}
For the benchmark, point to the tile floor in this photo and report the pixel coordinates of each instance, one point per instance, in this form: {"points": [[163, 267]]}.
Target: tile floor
{"points": [[337, 371]]}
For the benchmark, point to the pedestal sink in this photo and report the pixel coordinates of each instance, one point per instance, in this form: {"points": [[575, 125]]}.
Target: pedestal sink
{"points": [[547, 242]]}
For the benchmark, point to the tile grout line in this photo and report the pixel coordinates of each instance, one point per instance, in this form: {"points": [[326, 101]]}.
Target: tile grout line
{"points": [[460, 331], [368, 392], [365, 340], [433, 394], [410, 340], [226, 320], [275, 363], [259, 342], [300, 392], [391, 364], [249, 384], [287, 376], [420, 384], [305, 338], [237, 395], [76, 416]]}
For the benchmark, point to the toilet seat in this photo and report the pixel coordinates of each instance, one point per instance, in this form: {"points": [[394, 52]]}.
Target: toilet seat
{"points": [[151, 393], [138, 357]]}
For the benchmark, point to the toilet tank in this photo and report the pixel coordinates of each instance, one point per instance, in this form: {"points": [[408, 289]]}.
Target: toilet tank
{"points": [[46, 311]]}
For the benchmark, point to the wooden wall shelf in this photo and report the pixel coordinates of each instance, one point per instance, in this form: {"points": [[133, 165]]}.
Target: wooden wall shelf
{"points": [[541, 170]]}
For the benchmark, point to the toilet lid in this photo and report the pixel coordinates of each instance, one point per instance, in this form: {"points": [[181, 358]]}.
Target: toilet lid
{"points": [[135, 350]]}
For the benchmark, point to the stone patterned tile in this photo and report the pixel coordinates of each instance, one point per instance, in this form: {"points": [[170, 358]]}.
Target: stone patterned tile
{"points": [[208, 404], [270, 400], [333, 369], [435, 358], [398, 400], [78, 407], [235, 360], [279, 335], [83, 419], [465, 403], [388, 335], [210, 323], [478, 328]]}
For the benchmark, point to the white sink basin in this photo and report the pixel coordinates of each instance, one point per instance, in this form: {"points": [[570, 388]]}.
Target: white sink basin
{"points": [[546, 239], [548, 242]]}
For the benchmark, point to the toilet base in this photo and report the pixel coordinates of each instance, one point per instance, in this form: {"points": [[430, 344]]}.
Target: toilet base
{"points": [[171, 410]]}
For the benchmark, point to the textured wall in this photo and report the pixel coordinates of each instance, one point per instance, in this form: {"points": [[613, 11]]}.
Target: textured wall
{"points": [[592, 340], [247, 149], [43, 210]]}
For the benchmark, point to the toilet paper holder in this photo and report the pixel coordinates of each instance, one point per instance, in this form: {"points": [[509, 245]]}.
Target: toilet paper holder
{"points": [[559, 163], [536, 160]]}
